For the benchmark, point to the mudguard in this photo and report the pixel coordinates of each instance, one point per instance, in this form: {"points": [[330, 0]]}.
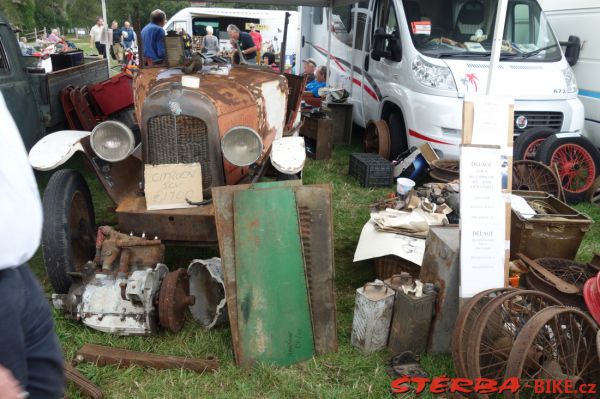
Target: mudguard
{"points": [[56, 148], [288, 154]]}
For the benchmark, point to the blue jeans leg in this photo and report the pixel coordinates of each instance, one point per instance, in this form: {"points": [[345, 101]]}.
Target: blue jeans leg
{"points": [[28, 344]]}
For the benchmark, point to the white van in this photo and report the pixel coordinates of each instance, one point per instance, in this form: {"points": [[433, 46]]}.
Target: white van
{"points": [[411, 63], [270, 24], [581, 18]]}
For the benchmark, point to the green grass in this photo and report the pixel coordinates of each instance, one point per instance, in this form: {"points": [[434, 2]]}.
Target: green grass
{"points": [[345, 374]]}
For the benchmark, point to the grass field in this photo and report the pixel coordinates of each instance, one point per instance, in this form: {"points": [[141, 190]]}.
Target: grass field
{"points": [[345, 374]]}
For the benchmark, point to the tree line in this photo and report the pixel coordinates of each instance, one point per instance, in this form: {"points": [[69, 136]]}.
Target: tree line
{"points": [[30, 14]]}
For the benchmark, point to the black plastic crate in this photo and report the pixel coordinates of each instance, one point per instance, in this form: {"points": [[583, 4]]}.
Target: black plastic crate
{"points": [[371, 170], [66, 60]]}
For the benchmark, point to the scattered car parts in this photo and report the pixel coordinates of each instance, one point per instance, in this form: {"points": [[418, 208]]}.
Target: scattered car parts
{"points": [[535, 176], [86, 387]]}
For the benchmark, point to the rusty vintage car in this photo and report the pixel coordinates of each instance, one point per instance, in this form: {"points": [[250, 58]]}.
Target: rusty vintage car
{"points": [[231, 120]]}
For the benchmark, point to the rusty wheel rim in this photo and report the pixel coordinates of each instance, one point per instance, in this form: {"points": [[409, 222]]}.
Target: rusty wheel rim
{"points": [[535, 176], [174, 299], [558, 343], [82, 232], [377, 138], [464, 324], [570, 271], [497, 328]]}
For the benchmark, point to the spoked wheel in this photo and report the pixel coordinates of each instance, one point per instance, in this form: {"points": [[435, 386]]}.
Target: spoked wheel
{"points": [[558, 343], [528, 143], [377, 138], [578, 163], [591, 294], [69, 233], [496, 330], [535, 176], [461, 336]]}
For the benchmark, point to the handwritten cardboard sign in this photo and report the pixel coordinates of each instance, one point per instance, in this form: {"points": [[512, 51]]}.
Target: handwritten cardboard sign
{"points": [[168, 186]]}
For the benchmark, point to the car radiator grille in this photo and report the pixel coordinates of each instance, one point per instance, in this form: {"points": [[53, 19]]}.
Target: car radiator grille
{"points": [[179, 139], [550, 120]]}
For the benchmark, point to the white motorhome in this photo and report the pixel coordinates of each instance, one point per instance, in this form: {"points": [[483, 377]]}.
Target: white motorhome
{"points": [[270, 24], [581, 18], [411, 63]]}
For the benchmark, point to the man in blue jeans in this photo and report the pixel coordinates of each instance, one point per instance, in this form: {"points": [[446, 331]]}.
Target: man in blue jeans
{"points": [[31, 361], [153, 38]]}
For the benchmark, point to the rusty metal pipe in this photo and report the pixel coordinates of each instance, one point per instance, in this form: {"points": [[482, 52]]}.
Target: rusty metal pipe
{"points": [[103, 355]]}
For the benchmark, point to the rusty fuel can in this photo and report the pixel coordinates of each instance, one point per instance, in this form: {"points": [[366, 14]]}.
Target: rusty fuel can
{"points": [[411, 321], [372, 317]]}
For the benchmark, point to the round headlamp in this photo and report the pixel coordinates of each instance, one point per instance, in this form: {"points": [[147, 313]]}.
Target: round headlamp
{"points": [[112, 141], [241, 146]]}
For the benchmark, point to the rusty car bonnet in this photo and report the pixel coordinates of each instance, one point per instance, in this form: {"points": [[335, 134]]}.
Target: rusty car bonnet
{"points": [[249, 97]]}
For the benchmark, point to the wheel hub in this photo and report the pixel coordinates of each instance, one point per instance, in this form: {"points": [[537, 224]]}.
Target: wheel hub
{"points": [[174, 299]]}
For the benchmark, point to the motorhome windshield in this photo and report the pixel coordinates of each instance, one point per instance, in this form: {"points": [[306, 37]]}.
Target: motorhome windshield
{"points": [[465, 29]]}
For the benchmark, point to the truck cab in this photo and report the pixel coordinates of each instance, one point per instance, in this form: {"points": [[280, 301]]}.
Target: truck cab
{"points": [[32, 94], [412, 62]]}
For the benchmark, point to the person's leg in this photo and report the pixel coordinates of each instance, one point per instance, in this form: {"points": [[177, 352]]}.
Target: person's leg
{"points": [[42, 349], [98, 47], [12, 338]]}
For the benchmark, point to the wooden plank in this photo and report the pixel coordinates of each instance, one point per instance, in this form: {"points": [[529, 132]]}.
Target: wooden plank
{"points": [[223, 210], [272, 299], [316, 231]]}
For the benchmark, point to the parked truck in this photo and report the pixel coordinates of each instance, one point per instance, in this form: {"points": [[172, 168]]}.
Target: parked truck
{"points": [[32, 94]]}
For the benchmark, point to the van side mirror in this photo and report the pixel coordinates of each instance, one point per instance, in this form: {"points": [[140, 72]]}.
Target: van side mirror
{"points": [[572, 49], [379, 44]]}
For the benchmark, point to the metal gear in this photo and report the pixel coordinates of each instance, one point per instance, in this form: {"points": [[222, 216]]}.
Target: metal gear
{"points": [[174, 299]]}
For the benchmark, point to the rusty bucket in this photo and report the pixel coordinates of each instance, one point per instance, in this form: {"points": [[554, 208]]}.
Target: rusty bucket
{"points": [[372, 316], [206, 285]]}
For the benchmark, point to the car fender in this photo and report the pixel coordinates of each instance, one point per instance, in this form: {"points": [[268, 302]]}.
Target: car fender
{"points": [[56, 148], [288, 154]]}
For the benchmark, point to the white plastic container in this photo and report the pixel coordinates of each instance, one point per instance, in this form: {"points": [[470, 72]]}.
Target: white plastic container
{"points": [[404, 185]]}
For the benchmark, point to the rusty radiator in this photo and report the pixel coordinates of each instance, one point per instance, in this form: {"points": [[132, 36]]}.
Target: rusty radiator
{"points": [[180, 139]]}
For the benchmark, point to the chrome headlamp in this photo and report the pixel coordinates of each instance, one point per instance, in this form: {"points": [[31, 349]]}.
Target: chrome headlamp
{"points": [[241, 146], [112, 141]]}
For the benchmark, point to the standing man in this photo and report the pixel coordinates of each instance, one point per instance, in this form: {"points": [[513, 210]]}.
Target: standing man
{"points": [[308, 70], [245, 42], [31, 360], [116, 50], [153, 38], [256, 38], [128, 36], [96, 37]]}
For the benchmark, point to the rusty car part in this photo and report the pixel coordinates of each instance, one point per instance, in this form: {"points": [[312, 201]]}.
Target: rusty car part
{"points": [[441, 267], [558, 343], [174, 299], [591, 295], [559, 282], [86, 387], [406, 364], [593, 194], [465, 323], [82, 108], [208, 289], [496, 329], [445, 170], [69, 110], [377, 138], [535, 176], [126, 250], [316, 233], [104, 355]]}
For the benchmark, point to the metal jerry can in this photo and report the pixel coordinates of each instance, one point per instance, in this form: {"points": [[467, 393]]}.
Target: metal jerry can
{"points": [[372, 316]]}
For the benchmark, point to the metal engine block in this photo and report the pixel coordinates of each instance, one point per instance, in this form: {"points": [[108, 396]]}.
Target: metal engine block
{"points": [[127, 290]]}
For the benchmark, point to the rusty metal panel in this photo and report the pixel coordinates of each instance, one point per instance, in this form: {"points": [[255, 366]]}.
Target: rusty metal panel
{"points": [[316, 230], [223, 210], [273, 310], [192, 225], [441, 267], [103, 355]]}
